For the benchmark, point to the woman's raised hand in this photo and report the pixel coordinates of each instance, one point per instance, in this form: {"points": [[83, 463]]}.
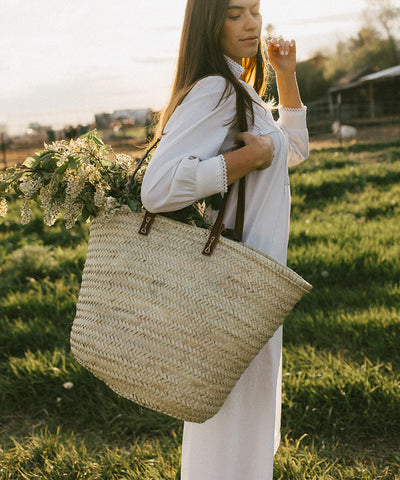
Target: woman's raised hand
{"points": [[282, 55]]}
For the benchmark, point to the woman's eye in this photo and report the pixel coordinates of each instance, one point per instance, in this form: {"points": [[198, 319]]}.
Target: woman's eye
{"points": [[234, 17]]}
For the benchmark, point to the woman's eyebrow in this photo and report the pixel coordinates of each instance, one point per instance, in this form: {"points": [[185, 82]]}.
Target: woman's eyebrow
{"points": [[237, 7]]}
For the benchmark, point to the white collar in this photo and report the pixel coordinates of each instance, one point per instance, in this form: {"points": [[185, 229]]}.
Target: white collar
{"points": [[236, 69]]}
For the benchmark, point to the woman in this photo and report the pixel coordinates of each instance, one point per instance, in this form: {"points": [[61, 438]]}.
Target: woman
{"points": [[215, 105]]}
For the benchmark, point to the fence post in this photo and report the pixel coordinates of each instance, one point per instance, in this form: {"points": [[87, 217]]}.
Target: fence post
{"points": [[339, 104], [3, 144], [371, 100]]}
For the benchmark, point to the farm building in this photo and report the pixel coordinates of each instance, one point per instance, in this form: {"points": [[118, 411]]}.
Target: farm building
{"points": [[371, 96]]}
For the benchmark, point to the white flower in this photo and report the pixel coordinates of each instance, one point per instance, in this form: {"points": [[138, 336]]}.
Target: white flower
{"points": [[72, 211], [29, 186], [3, 207], [57, 146], [99, 196], [91, 173], [94, 169], [73, 207], [62, 160], [76, 147], [52, 208], [111, 204], [26, 212], [140, 173], [68, 385], [123, 159], [126, 161], [75, 184]]}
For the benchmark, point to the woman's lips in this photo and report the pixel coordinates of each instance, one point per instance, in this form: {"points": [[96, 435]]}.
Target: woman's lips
{"points": [[250, 40]]}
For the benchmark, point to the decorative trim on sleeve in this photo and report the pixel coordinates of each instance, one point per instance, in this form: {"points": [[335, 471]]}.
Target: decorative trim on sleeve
{"points": [[224, 179], [288, 109]]}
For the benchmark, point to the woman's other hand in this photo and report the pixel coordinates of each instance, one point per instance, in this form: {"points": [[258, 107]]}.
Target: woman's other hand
{"points": [[256, 153], [260, 147], [282, 55]]}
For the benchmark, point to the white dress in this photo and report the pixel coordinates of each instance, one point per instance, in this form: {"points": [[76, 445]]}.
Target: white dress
{"points": [[240, 441]]}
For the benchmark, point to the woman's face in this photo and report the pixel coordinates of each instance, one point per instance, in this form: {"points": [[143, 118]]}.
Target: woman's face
{"points": [[240, 36]]}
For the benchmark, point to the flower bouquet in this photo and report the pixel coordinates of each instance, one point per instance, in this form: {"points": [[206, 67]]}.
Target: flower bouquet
{"points": [[82, 179]]}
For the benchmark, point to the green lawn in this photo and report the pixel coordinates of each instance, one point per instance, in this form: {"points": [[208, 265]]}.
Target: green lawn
{"points": [[341, 391]]}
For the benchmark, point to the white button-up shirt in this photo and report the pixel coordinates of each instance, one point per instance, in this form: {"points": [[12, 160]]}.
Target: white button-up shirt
{"points": [[187, 164]]}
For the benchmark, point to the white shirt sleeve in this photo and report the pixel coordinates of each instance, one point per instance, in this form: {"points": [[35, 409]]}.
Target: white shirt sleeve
{"points": [[292, 122], [186, 165]]}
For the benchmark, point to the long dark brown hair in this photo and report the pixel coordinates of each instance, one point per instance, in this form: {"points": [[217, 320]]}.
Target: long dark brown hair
{"points": [[200, 55]]}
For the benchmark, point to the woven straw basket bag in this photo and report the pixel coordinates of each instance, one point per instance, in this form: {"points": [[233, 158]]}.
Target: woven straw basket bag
{"points": [[168, 327]]}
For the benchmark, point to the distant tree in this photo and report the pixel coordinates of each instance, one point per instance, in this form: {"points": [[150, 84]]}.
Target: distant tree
{"points": [[385, 14], [338, 63], [311, 79], [375, 47], [383, 53]]}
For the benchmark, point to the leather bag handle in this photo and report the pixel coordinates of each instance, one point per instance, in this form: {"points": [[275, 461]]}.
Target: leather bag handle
{"points": [[218, 228]]}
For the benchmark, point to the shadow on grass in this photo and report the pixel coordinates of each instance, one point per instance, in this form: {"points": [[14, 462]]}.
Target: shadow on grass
{"points": [[38, 391], [359, 320], [318, 196], [354, 340], [36, 232], [360, 147], [350, 411]]}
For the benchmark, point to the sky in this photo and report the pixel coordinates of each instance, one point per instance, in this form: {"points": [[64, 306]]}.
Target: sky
{"points": [[61, 62]]}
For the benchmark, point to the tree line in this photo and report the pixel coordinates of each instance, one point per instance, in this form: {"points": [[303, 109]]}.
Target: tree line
{"points": [[375, 47]]}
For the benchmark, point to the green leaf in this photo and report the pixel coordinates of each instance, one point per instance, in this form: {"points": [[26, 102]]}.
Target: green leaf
{"points": [[48, 161], [61, 170], [72, 162], [85, 213], [15, 176], [215, 201], [134, 205], [29, 162], [94, 135]]}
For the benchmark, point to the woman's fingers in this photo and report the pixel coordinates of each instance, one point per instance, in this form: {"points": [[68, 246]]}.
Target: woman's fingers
{"points": [[284, 47], [243, 138], [262, 148]]}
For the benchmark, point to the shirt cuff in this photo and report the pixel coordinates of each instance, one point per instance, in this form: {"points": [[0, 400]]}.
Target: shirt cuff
{"points": [[293, 118], [211, 177]]}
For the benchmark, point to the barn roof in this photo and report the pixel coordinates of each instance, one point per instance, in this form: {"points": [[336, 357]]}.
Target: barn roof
{"points": [[373, 77], [388, 72]]}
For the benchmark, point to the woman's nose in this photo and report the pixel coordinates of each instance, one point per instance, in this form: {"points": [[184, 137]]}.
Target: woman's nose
{"points": [[251, 22]]}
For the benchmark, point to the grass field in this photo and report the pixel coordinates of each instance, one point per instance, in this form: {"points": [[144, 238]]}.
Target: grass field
{"points": [[341, 390]]}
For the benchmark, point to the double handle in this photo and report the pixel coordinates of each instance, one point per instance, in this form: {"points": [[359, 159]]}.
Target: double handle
{"points": [[218, 228]]}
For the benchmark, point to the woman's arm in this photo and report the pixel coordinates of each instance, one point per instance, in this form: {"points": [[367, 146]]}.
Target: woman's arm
{"points": [[292, 113], [257, 154], [282, 57], [186, 166]]}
